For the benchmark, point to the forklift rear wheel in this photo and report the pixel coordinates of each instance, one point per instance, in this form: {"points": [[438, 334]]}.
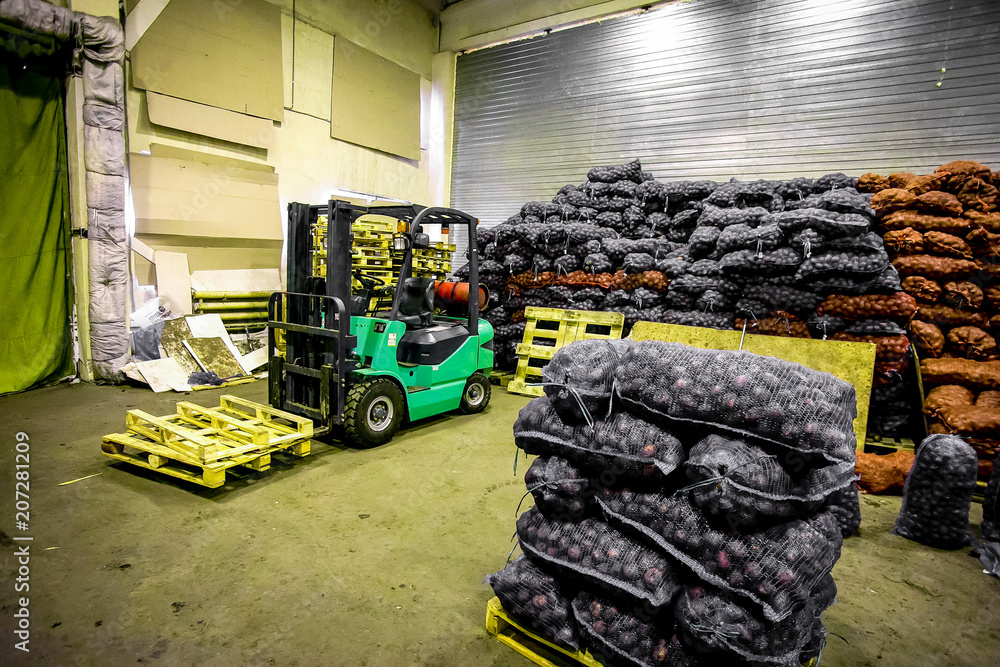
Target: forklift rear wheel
{"points": [[373, 412], [477, 393]]}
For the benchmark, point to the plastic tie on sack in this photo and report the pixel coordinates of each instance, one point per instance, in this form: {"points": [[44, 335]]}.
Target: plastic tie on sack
{"points": [[807, 248], [760, 249], [550, 484]]}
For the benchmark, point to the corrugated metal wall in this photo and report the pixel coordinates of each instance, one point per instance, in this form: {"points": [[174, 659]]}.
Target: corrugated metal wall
{"points": [[723, 88]]}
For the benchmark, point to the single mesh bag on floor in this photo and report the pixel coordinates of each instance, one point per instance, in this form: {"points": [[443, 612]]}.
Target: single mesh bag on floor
{"points": [[594, 553], [629, 636], [991, 505], [744, 393], [620, 449], [537, 600], [777, 567], [580, 376], [743, 487], [845, 505], [938, 493], [719, 626], [558, 487]]}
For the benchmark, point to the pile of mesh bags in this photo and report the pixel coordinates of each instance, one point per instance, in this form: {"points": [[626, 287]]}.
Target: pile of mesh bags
{"points": [[942, 231], [689, 504]]}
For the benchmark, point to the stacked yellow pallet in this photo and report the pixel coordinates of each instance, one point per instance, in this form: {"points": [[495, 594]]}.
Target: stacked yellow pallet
{"points": [[433, 262], [370, 248]]}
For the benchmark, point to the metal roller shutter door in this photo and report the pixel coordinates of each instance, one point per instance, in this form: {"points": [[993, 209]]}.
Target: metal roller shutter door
{"points": [[719, 89]]}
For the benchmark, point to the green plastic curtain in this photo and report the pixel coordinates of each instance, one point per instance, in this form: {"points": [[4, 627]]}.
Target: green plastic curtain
{"points": [[35, 286]]}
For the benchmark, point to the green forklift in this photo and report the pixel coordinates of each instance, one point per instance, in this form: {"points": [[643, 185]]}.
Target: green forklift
{"points": [[360, 366]]}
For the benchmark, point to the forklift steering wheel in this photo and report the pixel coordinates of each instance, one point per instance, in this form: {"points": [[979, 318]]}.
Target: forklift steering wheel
{"points": [[369, 282]]}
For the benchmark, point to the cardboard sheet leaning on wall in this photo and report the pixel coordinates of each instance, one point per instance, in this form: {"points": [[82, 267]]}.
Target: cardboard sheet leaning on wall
{"points": [[100, 48]]}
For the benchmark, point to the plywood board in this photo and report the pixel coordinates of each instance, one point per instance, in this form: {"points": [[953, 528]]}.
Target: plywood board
{"points": [[175, 332], [223, 54], [178, 197], [312, 77], [215, 356], [164, 374], [208, 253], [173, 281], [209, 121], [375, 102], [245, 280], [852, 362], [178, 153]]}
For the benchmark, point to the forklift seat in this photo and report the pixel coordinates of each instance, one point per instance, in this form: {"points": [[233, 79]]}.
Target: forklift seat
{"points": [[416, 303]]}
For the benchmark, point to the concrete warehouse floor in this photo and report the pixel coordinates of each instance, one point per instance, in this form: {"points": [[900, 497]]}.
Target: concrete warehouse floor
{"points": [[354, 557]]}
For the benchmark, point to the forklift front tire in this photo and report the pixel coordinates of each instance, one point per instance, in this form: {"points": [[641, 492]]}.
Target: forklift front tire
{"points": [[373, 412], [477, 394]]}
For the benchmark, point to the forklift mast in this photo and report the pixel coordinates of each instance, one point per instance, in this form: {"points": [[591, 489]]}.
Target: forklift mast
{"points": [[312, 379]]}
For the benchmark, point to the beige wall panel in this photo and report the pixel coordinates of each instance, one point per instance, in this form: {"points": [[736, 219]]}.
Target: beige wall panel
{"points": [[178, 153], [400, 30], [226, 55], [311, 165], [207, 254], [313, 71], [376, 103], [196, 199], [209, 121]]}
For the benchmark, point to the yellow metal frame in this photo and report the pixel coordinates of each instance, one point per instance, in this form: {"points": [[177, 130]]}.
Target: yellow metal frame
{"points": [[850, 361]]}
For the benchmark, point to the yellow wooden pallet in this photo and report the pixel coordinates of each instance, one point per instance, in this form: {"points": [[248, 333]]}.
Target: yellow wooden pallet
{"points": [[540, 651], [153, 456], [550, 329], [508, 630], [374, 226], [210, 440], [501, 378]]}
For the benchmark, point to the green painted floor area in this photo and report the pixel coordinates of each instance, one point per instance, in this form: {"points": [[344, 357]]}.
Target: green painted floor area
{"points": [[352, 557]]}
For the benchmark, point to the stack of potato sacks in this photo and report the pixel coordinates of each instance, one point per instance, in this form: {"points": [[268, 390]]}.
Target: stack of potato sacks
{"points": [[689, 505], [943, 231]]}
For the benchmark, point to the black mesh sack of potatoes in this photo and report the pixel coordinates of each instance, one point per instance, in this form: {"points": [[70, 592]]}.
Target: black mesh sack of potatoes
{"points": [[721, 627], [886, 282], [745, 237], [828, 263], [778, 568], [713, 216], [703, 240], [828, 223], [629, 636], [690, 283], [623, 448], [537, 600], [699, 318], [769, 262], [847, 200], [834, 181], [581, 376], [938, 493], [744, 487], [780, 297], [763, 397], [631, 171], [597, 555], [559, 488], [824, 326], [845, 505]]}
